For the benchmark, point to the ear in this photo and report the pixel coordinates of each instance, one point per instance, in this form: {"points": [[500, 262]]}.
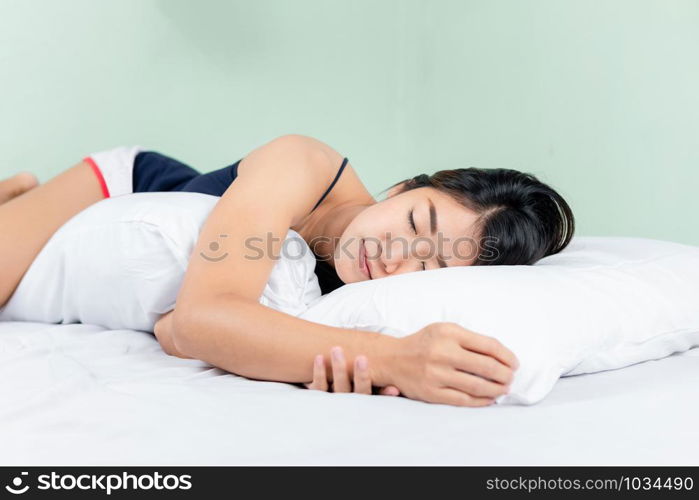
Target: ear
{"points": [[395, 190]]}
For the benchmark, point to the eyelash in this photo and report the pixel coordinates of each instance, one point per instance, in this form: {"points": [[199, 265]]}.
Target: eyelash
{"points": [[411, 221]]}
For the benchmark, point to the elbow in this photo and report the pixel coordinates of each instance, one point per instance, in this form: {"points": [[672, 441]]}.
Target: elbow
{"points": [[183, 329], [196, 325], [200, 330]]}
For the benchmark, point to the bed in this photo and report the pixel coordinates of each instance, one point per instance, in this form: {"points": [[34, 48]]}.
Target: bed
{"points": [[78, 394]]}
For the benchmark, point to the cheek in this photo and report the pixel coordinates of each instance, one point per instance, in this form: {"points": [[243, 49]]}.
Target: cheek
{"points": [[376, 227], [347, 249], [346, 258]]}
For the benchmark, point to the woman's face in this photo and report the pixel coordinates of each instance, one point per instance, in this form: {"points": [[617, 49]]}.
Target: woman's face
{"points": [[382, 238]]}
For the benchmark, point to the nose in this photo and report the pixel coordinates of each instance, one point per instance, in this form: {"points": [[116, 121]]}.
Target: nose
{"points": [[395, 255]]}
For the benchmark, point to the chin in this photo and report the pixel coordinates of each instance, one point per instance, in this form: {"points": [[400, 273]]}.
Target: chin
{"points": [[348, 271], [343, 274]]}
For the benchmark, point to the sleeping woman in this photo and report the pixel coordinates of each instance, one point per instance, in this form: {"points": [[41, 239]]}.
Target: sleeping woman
{"points": [[460, 217]]}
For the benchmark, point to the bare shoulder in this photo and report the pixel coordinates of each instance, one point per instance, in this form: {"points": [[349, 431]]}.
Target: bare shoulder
{"points": [[312, 164]]}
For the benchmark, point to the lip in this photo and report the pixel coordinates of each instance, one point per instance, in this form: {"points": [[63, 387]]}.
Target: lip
{"points": [[363, 263]]}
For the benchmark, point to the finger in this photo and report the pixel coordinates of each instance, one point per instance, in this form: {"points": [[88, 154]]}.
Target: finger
{"points": [[389, 390], [450, 396], [341, 381], [362, 382], [488, 345], [483, 366], [474, 385], [320, 379]]}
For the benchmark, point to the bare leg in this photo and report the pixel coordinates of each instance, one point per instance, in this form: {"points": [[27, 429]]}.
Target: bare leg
{"points": [[16, 185], [29, 220]]}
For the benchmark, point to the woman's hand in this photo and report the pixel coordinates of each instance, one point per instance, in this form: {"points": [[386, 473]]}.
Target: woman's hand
{"points": [[446, 363], [341, 379]]}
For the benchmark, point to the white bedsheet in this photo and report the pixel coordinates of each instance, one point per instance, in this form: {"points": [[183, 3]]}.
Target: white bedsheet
{"points": [[81, 394]]}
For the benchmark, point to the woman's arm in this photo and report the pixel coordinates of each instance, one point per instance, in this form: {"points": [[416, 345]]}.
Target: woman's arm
{"points": [[218, 317], [252, 340], [441, 363], [164, 332], [360, 382]]}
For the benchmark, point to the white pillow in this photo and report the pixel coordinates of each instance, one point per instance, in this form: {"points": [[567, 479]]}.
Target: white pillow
{"points": [[602, 303], [120, 263]]}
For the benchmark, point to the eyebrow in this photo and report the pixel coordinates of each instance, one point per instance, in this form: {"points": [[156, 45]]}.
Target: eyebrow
{"points": [[433, 217], [433, 229]]}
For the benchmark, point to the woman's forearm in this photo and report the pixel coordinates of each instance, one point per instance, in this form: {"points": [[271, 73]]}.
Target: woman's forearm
{"points": [[255, 341]]}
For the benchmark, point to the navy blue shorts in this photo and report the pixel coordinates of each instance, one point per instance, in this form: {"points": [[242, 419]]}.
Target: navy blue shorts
{"points": [[153, 171]]}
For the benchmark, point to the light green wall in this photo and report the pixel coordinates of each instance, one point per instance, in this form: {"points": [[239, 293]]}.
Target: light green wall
{"points": [[598, 98]]}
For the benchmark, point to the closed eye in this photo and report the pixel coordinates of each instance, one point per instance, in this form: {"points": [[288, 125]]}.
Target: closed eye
{"points": [[411, 221]]}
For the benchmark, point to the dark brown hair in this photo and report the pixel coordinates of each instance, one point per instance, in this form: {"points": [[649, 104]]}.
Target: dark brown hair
{"points": [[521, 218]]}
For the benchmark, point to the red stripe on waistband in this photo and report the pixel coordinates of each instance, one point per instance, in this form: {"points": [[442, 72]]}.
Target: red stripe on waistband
{"points": [[98, 173]]}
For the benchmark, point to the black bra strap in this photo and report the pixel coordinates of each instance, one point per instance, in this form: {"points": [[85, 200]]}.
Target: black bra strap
{"points": [[342, 167]]}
